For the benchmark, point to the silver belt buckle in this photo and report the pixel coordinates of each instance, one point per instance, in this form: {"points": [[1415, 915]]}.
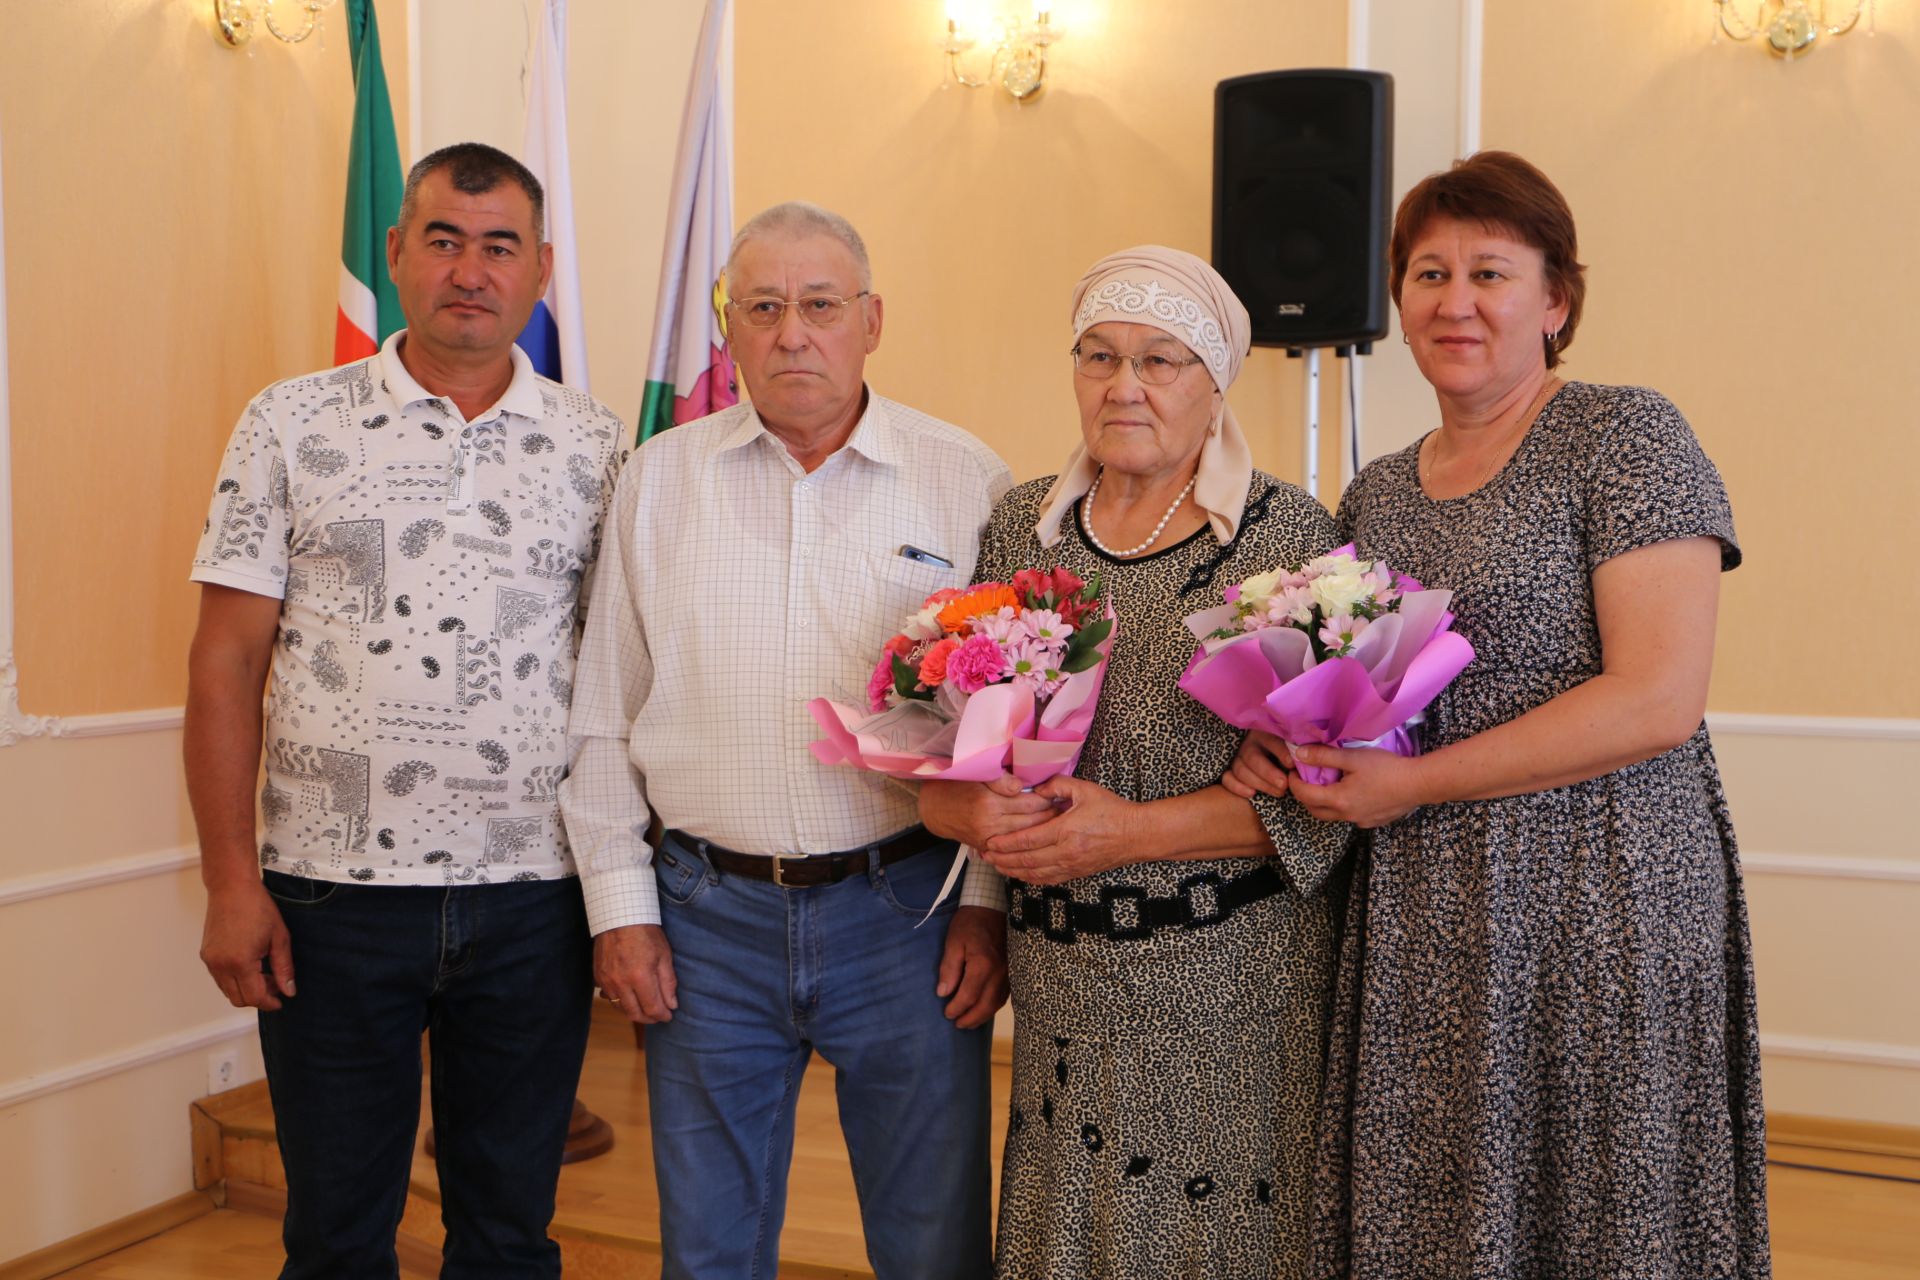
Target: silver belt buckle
{"points": [[779, 858]]}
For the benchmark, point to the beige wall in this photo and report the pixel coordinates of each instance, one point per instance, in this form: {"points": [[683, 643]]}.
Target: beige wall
{"points": [[980, 214], [171, 215], [165, 200], [172, 225], [1747, 225]]}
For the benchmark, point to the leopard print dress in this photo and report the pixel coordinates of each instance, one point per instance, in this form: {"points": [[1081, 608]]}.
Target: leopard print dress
{"points": [[1545, 1058], [1164, 1087]]}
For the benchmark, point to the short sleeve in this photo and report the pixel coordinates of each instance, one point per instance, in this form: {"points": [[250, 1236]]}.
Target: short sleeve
{"points": [[244, 542], [1649, 481]]}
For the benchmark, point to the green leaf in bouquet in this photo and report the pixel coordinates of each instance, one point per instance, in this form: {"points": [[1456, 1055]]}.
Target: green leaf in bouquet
{"points": [[906, 681], [1087, 640], [1091, 591], [1085, 660]]}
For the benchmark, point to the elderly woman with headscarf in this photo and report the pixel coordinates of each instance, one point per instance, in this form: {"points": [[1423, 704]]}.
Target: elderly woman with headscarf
{"points": [[1171, 945]]}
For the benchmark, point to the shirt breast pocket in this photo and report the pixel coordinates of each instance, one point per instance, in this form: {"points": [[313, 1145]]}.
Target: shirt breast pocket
{"points": [[903, 584], [881, 591]]}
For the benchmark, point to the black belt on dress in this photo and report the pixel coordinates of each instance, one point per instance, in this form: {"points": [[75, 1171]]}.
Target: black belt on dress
{"points": [[1126, 912], [807, 870]]}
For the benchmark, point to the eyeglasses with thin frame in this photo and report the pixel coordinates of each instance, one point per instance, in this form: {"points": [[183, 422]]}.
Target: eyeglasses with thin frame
{"points": [[1154, 368], [821, 310]]}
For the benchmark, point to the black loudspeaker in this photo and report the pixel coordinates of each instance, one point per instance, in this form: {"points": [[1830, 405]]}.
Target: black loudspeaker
{"points": [[1302, 172]]}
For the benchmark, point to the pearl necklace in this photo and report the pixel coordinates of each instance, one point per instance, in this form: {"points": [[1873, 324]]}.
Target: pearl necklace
{"points": [[1086, 518]]}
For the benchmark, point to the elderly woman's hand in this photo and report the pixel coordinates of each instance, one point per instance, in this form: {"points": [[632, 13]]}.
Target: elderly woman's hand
{"points": [[1374, 788], [1260, 768], [975, 812], [1097, 831]]}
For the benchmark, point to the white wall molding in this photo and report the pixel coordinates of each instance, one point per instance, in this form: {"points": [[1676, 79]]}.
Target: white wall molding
{"points": [[137, 867], [207, 1034], [14, 724], [1860, 728], [1472, 57], [17, 726], [1859, 1053], [1805, 864]]}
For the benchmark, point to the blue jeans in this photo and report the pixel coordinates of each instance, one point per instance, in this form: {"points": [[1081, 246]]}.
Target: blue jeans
{"points": [[500, 976], [768, 976]]}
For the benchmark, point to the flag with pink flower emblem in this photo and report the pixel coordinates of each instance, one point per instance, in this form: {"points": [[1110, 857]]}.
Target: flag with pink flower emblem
{"points": [[690, 374]]}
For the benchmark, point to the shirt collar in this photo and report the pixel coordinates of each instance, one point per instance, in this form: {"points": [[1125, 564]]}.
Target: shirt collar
{"points": [[876, 436], [522, 395]]}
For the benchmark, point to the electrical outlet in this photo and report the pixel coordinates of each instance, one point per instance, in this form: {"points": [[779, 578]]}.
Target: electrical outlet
{"points": [[223, 1070]]}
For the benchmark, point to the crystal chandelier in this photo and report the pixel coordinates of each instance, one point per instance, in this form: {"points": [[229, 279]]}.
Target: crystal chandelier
{"points": [[1019, 62], [236, 19], [1790, 27]]}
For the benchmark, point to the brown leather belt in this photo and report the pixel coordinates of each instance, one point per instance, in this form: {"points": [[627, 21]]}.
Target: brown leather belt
{"points": [[803, 870]]}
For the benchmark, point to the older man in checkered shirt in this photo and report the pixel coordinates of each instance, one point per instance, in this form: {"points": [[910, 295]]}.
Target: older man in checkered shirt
{"points": [[750, 905]]}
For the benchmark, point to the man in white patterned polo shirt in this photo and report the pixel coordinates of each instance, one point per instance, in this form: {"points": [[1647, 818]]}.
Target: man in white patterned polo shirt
{"points": [[402, 543], [756, 559]]}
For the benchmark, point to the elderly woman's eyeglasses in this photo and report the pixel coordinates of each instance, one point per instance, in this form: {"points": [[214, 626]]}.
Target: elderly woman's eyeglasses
{"points": [[1154, 368], [821, 310]]}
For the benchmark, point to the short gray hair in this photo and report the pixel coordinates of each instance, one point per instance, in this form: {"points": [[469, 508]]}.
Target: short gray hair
{"points": [[797, 217]]}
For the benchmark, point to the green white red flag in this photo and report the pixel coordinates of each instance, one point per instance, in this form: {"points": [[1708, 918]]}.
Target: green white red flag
{"points": [[689, 373], [369, 305]]}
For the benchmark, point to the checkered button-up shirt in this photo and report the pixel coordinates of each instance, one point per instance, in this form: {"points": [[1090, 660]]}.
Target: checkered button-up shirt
{"points": [[733, 588]]}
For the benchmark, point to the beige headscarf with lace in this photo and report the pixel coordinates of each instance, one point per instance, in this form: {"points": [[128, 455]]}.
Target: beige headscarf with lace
{"points": [[1179, 293]]}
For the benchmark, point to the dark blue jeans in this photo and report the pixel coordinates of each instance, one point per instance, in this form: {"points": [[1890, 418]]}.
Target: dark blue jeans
{"points": [[501, 978]]}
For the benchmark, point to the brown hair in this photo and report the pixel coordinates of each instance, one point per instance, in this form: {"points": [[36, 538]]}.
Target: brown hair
{"points": [[1499, 189]]}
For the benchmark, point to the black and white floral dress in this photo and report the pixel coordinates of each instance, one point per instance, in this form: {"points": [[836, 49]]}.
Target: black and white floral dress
{"points": [[1545, 1061], [1164, 1087]]}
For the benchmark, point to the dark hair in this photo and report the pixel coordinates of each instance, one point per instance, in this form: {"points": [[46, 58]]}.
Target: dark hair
{"points": [[475, 168], [1499, 189]]}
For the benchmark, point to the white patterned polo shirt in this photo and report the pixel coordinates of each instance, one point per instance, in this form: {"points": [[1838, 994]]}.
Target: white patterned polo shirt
{"points": [[429, 570]]}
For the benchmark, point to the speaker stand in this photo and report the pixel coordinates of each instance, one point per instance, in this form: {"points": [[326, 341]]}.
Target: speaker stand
{"points": [[1310, 470]]}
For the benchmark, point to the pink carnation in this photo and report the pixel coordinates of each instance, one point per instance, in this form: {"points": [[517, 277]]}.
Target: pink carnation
{"points": [[933, 667], [881, 685], [975, 665]]}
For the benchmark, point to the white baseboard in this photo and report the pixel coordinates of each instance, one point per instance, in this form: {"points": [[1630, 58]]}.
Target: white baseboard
{"points": [[1859, 728], [1863, 1053], [139, 865], [1804, 864], [27, 1088]]}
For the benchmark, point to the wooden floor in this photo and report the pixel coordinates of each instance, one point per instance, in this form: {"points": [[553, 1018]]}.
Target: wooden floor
{"points": [[1836, 1215]]}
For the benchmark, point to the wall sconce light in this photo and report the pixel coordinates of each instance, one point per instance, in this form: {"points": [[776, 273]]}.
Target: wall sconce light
{"points": [[235, 19], [1019, 63], [1790, 26]]}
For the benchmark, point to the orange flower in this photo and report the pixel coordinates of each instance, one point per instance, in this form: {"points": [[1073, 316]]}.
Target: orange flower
{"points": [[933, 667], [988, 597]]}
